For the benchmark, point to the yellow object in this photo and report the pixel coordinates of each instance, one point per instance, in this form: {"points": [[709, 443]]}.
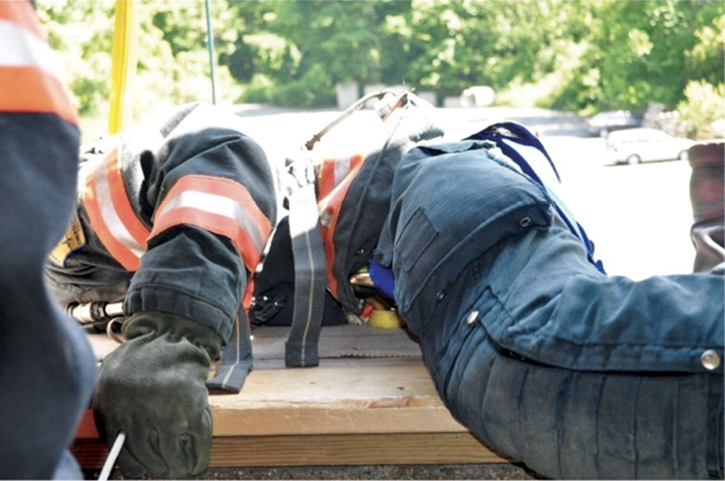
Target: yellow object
{"points": [[124, 65], [73, 240], [384, 319]]}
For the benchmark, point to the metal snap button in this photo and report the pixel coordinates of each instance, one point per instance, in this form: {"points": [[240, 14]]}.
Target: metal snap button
{"points": [[710, 360], [441, 295], [472, 317], [525, 222]]}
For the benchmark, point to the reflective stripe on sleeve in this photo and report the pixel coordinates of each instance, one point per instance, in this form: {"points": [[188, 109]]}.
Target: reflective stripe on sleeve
{"points": [[112, 217], [28, 75], [221, 206]]}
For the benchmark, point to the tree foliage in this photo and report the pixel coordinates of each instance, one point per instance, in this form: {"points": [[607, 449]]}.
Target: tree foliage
{"points": [[582, 55]]}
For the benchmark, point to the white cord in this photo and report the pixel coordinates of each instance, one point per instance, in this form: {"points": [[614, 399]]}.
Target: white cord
{"points": [[111, 459]]}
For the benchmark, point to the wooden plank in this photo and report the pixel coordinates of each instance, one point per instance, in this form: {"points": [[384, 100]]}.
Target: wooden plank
{"points": [[328, 450], [344, 412], [353, 399], [341, 396], [346, 398]]}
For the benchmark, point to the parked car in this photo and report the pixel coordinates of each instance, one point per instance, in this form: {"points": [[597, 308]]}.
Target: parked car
{"points": [[604, 122], [633, 146]]}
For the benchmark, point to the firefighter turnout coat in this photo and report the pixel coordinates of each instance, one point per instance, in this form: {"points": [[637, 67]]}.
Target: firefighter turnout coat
{"points": [[172, 217]]}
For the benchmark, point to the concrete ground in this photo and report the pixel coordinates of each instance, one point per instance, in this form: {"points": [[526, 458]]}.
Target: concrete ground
{"points": [[454, 471]]}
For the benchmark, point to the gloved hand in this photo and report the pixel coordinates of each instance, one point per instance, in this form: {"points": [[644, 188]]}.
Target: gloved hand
{"points": [[152, 387]]}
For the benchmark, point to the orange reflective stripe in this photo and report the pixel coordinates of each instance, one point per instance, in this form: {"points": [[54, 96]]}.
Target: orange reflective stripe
{"points": [[218, 205], [223, 187], [29, 89], [330, 212], [215, 223], [119, 251], [248, 295], [334, 171], [355, 160], [121, 203], [28, 81], [326, 180], [22, 14], [111, 214]]}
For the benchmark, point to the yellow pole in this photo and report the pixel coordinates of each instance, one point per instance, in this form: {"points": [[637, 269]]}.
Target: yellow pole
{"points": [[124, 65]]}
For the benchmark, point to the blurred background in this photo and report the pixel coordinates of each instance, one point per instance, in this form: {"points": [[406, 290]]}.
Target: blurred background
{"points": [[580, 56]]}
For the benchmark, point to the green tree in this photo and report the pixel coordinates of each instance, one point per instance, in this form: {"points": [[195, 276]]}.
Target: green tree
{"points": [[580, 55], [637, 52]]}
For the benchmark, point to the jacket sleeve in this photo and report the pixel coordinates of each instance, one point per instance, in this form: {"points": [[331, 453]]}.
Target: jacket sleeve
{"points": [[211, 192], [186, 206]]}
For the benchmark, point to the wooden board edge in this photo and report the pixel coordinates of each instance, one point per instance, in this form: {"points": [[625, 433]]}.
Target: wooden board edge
{"points": [[327, 450]]}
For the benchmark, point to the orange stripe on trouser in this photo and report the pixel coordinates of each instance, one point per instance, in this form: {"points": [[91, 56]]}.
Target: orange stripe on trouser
{"points": [[22, 14], [29, 89], [28, 82]]}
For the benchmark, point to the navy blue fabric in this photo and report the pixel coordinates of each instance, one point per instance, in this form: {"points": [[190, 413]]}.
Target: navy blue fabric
{"points": [[366, 203], [47, 367], [543, 357], [186, 271], [510, 137]]}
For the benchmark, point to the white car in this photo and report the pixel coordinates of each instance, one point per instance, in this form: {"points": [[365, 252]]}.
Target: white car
{"points": [[633, 146]]}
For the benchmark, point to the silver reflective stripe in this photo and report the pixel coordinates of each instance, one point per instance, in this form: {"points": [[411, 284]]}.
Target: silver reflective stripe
{"points": [[114, 224], [21, 48], [342, 167], [219, 205]]}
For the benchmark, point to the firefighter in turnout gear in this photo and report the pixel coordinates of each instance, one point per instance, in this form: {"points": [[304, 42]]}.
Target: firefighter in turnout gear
{"points": [[172, 219]]}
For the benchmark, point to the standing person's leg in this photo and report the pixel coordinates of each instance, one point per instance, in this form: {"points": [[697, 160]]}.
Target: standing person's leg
{"points": [[47, 367]]}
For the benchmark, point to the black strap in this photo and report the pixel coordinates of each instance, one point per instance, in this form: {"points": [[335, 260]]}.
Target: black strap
{"points": [[310, 279], [236, 361]]}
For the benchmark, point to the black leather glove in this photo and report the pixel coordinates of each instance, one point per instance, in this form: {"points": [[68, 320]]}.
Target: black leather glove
{"points": [[152, 387]]}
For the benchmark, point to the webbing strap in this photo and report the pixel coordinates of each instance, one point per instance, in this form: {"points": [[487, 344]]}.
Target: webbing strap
{"points": [[310, 279], [527, 151], [236, 359]]}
